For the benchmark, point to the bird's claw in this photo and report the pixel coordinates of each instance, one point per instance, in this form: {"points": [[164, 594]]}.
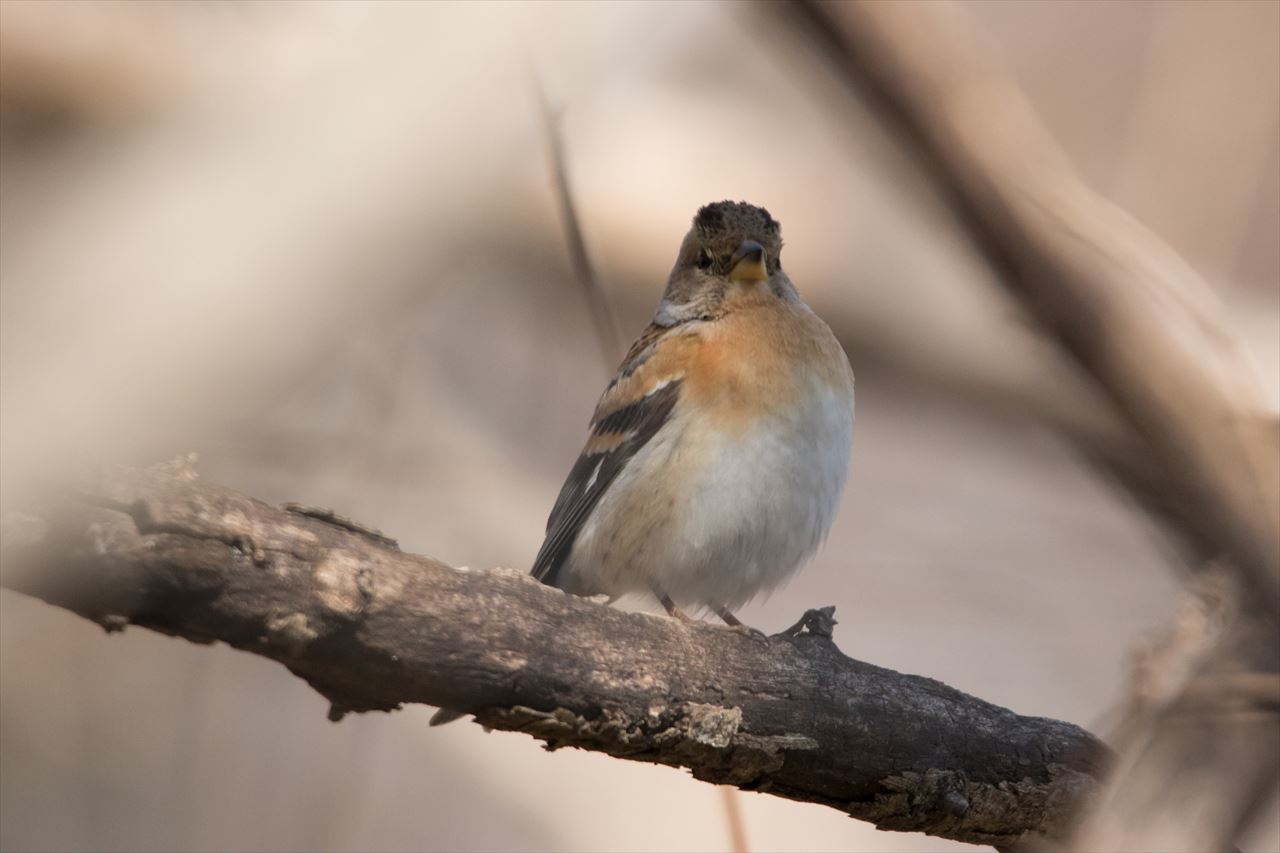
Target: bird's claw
{"points": [[748, 631]]}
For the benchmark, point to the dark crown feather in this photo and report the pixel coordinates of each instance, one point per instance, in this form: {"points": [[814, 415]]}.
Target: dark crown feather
{"points": [[734, 217]]}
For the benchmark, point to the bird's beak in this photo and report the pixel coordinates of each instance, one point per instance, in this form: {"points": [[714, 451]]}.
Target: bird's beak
{"points": [[747, 264]]}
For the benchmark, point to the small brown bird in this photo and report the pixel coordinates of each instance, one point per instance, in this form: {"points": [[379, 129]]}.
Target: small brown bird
{"points": [[719, 451]]}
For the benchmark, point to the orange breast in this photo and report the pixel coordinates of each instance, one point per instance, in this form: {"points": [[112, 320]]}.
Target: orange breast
{"points": [[756, 360]]}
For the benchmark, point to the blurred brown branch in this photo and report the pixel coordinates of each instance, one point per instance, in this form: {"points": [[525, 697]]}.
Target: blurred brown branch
{"points": [[371, 628], [603, 317], [1132, 313], [1147, 331]]}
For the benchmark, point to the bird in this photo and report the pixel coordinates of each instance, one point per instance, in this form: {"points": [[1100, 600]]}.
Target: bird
{"points": [[718, 453]]}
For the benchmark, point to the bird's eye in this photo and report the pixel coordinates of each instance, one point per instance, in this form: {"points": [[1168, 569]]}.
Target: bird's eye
{"points": [[704, 259]]}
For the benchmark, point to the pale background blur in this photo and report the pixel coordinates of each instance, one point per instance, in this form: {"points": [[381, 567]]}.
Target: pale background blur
{"points": [[317, 244]]}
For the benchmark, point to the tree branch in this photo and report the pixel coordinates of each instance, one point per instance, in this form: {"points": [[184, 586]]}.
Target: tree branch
{"points": [[372, 628], [1132, 313], [1139, 322]]}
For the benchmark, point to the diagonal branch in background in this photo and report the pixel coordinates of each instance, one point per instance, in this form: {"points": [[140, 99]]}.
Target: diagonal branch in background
{"points": [[1147, 331], [371, 628], [1130, 311]]}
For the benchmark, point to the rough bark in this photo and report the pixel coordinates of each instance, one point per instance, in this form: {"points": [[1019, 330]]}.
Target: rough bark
{"points": [[372, 628]]}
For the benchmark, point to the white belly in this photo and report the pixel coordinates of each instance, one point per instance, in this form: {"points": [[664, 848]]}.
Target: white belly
{"points": [[715, 518]]}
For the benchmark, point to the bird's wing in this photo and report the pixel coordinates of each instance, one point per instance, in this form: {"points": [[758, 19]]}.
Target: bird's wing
{"points": [[637, 403]]}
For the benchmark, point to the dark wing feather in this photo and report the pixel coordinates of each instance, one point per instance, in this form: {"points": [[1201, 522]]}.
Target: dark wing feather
{"points": [[635, 423]]}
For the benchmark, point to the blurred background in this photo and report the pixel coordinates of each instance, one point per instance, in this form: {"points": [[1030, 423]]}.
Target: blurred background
{"points": [[317, 244]]}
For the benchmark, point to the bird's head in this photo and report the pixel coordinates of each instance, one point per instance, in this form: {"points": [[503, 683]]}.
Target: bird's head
{"points": [[733, 247]]}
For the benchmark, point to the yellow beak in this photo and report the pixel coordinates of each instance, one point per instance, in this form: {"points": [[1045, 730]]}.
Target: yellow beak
{"points": [[748, 263]]}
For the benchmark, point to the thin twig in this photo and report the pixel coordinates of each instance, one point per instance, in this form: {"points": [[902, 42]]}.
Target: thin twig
{"points": [[733, 817], [602, 315]]}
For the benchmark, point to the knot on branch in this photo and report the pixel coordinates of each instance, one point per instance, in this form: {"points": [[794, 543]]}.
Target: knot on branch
{"points": [[817, 621]]}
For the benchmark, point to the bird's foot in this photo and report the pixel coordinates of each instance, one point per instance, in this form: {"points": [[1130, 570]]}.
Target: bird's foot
{"points": [[670, 606], [748, 631], [737, 624]]}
